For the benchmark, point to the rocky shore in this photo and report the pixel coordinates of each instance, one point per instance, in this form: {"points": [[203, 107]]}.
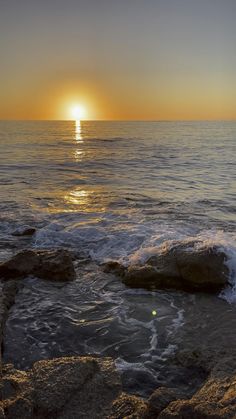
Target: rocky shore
{"points": [[90, 387], [185, 266]]}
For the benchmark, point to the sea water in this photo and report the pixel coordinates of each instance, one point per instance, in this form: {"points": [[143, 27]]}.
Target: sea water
{"points": [[117, 191]]}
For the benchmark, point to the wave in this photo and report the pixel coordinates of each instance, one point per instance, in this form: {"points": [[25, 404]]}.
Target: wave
{"points": [[132, 243]]}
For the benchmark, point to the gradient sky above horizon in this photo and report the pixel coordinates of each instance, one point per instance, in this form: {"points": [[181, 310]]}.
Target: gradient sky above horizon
{"points": [[139, 60]]}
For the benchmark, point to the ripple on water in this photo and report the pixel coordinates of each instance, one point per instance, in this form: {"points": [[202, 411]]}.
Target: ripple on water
{"points": [[140, 329]]}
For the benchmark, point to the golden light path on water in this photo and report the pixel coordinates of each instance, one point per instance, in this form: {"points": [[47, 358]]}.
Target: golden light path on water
{"points": [[79, 153], [78, 196], [78, 132]]}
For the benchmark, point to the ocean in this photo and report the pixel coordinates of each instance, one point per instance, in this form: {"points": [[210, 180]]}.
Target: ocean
{"points": [[117, 191]]}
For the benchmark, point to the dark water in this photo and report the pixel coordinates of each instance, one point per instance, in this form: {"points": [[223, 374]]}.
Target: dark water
{"points": [[117, 190]]}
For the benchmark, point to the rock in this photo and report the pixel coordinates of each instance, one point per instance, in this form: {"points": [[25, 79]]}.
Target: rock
{"points": [[160, 399], [129, 407], [90, 387], [186, 266], [19, 408], [63, 388], [114, 267], [215, 399], [198, 360], [47, 264], [24, 231], [8, 292], [71, 385]]}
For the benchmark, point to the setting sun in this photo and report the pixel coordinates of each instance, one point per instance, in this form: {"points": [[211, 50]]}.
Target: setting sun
{"points": [[78, 112]]}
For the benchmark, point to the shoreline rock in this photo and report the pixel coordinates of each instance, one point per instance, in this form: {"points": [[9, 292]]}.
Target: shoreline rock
{"points": [[65, 388], [216, 398], [56, 265], [90, 387], [7, 298], [183, 266]]}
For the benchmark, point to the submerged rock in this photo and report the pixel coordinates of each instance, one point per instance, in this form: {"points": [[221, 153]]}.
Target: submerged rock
{"points": [[24, 231], [47, 264], [184, 266]]}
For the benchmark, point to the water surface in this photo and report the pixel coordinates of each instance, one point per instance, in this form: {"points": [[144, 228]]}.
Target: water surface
{"points": [[117, 190]]}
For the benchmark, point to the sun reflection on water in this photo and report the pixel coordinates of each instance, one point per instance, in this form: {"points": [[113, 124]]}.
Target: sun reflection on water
{"points": [[77, 197], [78, 153], [78, 132]]}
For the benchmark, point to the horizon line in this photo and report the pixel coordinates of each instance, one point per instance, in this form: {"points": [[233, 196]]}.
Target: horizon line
{"points": [[116, 120]]}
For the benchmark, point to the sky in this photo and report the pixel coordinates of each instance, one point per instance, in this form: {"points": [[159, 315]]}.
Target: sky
{"points": [[122, 60]]}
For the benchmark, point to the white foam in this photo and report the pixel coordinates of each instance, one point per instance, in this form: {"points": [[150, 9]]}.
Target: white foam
{"points": [[177, 322], [123, 365], [229, 293], [133, 242], [224, 241]]}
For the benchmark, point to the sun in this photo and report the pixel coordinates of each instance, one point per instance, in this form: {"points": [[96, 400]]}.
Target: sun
{"points": [[78, 112]]}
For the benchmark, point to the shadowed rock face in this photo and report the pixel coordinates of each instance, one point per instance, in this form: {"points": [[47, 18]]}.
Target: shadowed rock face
{"points": [[160, 399], [183, 266], [47, 264]]}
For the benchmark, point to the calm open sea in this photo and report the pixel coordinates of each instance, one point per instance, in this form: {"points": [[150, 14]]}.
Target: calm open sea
{"points": [[113, 190]]}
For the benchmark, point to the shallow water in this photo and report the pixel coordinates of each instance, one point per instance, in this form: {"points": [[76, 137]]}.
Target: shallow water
{"points": [[117, 190]]}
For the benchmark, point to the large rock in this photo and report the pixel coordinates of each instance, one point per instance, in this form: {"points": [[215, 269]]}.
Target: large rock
{"points": [[48, 264], [64, 388], [215, 399], [90, 387], [186, 266]]}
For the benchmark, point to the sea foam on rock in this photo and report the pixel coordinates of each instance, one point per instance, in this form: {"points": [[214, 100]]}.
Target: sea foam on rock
{"points": [[47, 264], [186, 266]]}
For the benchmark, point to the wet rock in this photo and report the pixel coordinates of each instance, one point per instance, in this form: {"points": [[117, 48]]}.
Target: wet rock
{"points": [[114, 267], [7, 298], [201, 360], [215, 399], [47, 264], [182, 266], [24, 231]]}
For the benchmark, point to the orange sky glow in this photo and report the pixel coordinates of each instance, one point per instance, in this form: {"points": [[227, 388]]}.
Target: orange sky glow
{"points": [[154, 60]]}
